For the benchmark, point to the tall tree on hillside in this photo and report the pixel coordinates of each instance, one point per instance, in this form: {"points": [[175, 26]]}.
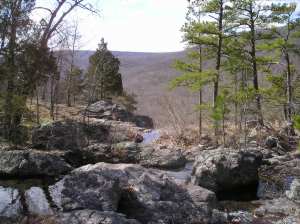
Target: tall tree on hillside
{"points": [[15, 17], [103, 75], [251, 18], [283, 39], [193, 76], [73, 72], [212, 35]]}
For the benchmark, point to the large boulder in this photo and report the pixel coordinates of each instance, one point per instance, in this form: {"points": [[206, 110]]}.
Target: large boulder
{"points": [[32, 163], [225, 169], [280, 178], [123, 152], [146, 195], [161, 157], [74, 136], [148, 155], [68, 135], [108, 110]]}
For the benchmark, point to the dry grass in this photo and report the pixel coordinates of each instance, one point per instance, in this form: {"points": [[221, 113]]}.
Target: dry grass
{"points": [[62, 112]]}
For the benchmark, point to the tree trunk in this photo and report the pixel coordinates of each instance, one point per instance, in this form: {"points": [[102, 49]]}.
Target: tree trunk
{"points": [[52, 99], [288, 87], [218, 61], [37, 106], [8, 109], [254, 68], [200, 113], [200, 93]]}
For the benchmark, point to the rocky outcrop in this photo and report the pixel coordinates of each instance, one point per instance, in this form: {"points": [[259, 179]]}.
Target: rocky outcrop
{"points": [[68, 135], [93, 217], [280, 178], [162, 157], [148, 196], [59, 136], [123, 152], [278, 211], [75, 136], [107, 110], [110, 111], [32, 163], [226, 169]]}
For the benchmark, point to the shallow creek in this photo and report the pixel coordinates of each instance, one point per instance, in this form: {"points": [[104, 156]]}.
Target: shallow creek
{"points": [[25, 197]]}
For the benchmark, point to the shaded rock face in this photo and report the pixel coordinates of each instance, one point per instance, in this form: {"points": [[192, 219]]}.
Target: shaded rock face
{"points": [[224, 169], [32, 163], [148, 196], [110, 111], [74, 136], [67, 135], [123, 152], [147, 155], [280, 179]]}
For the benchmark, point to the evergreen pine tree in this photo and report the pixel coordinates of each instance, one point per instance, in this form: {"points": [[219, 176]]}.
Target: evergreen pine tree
{"points": [[103, 75]]}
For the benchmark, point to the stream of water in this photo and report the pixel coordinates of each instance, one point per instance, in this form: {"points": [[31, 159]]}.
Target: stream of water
{"points": [[150, 137]]}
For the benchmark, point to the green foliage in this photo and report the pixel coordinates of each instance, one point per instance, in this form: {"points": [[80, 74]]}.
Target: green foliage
{"points": [[103, 74], [296, 120], [221, 108], [192, 79]]}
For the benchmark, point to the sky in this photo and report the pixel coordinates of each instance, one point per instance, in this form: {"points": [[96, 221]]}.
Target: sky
{"points": [[133, 25]]}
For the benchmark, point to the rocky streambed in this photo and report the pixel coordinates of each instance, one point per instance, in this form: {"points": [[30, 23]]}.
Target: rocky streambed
{"points": [[111, 172]]}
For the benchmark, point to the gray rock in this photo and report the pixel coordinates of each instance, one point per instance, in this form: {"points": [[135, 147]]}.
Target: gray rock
{"points": [[146, 195], [219, 217], [223, 169], [64, 136], [153, 155], [93, 217], [125, 152], [32, 163], [72, 135], [110, 111], [240, 217], [294, 192], [86, 191], [191, 153], [277, 177], [37, 203], [278, 209], [271, 142], [10, 203], [161, 157]]}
